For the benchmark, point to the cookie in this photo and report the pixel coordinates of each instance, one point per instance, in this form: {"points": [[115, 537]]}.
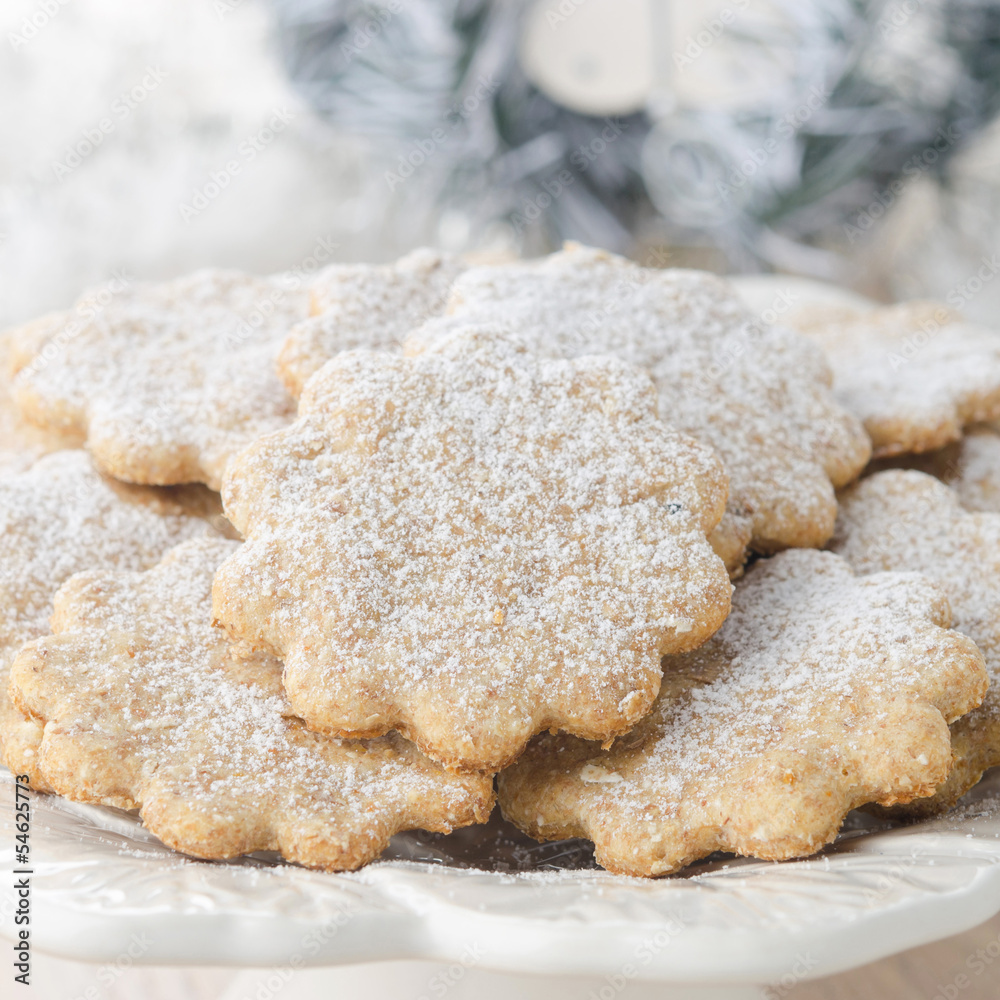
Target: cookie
{"points": [[21, 445], [821, 692], [730, 541], [758, 394], [166, 382], [368, 306], [970, 466], [904, 520], [473, 545], [58, 518], [784, 298], [915, 373], [147, 706]]}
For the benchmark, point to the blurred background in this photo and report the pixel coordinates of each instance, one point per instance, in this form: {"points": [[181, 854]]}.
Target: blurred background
{"points": [[852, 141]]}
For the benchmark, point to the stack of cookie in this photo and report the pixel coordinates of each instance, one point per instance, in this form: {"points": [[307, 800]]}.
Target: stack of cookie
{"points": [[482, 521]]}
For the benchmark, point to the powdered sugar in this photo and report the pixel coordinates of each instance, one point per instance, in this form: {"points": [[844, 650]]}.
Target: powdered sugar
{"points": [[810, 700], [802, 634], [977, 469], [20, 444], [757, 394], [365, 305], [474, 545], [905, 520], [60, 518], [152, 707], [970, 466], [915, 373], [168, 381]]}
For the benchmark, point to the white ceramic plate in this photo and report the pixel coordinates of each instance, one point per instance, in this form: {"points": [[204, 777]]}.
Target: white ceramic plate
{"points": [[101, 883]]}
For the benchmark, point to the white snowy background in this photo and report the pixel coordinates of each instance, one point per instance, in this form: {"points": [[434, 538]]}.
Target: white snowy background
{"points": [[183, 87]]}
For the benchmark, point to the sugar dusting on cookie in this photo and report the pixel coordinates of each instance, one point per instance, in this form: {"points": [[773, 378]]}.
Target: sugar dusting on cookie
{"points": [[59, 518], [166, 382], [756, 393], [916, 373], [21, 445], [970, 466], [366, 305], [474, 545], [822, 691], [168, 717], [906, 520], [794, 632]]}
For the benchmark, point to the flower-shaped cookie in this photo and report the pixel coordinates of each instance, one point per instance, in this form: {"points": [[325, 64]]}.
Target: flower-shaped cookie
{"points": [[59, 518], [147, 706], [902, 520], [759, 395], [473, 545], [970, 466], [166, 382], [914, 373], [366, 305], [821, 692]]}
